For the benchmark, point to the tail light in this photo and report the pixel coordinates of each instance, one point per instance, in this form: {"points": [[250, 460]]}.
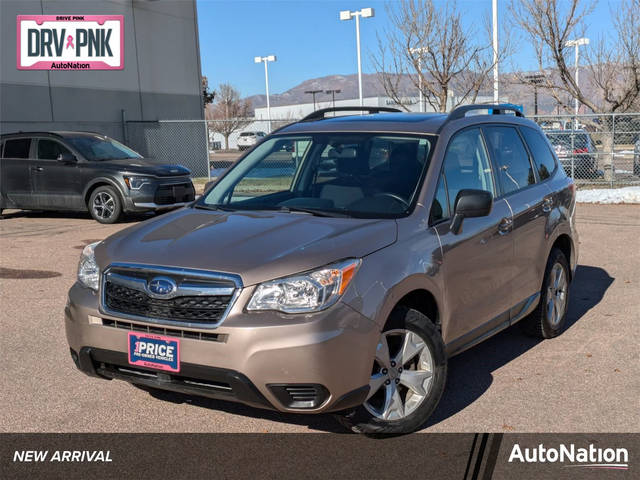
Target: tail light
{"points": [[581, 150]]}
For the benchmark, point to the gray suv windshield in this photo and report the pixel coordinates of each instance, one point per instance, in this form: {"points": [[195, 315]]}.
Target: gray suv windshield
{"points": [[353, 174], [97, 148]]}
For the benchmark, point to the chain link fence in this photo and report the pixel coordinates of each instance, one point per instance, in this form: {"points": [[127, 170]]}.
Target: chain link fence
{"points": [[596, 149]]}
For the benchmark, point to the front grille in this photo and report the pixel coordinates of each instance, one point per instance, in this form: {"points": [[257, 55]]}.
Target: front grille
{"points": [[174, 193], [197, 309], [172, 332], [195, 299]]}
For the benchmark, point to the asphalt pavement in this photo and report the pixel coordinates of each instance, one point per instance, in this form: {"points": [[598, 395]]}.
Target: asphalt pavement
{"points": [[586, 380]]}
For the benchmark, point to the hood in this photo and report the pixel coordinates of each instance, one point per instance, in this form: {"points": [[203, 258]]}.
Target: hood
{"points": [[146, 166], [258, 246]]}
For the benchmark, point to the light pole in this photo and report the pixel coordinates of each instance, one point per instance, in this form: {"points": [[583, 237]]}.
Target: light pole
{"points": [[535, 79], [576, 43], [313, 92], [333, 96], [496, 93], [266, 60], [420, 51], [348, 15]]}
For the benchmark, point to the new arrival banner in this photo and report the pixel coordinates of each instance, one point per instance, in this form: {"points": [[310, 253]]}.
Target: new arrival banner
{"points": [[70, 42]]}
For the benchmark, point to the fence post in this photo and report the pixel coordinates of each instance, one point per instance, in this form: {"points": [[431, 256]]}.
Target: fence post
{"points": [[613, 143], [573, 148], [125, 134], [206, 140]]}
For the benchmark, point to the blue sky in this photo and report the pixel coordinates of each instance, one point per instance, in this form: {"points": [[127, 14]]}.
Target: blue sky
{"points": [[311, 42]]}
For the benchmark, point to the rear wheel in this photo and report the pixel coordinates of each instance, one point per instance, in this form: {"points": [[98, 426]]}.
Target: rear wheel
{"points": [[105, 204], [407, 379], [549, 317]]}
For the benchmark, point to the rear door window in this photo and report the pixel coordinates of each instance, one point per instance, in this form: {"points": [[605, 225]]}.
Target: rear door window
{"points": [[512, 159], [542, 156], [17, 148]]}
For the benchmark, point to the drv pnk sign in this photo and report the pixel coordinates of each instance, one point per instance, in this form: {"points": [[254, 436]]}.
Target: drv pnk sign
{"points": [[70, 42]]}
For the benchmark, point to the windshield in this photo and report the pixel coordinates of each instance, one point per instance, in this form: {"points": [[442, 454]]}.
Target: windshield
{"points": [[97, 148], [344, 174]]}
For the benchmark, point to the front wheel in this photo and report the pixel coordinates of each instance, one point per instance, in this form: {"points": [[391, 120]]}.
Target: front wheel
{"points": [[105, 204], [407, 378]]}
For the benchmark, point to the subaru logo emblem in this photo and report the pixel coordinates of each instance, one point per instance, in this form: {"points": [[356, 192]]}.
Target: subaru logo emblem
{"points": [[162, 286]]}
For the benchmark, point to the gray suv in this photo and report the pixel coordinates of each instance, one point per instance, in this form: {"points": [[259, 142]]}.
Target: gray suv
{"points": [[86, 171], [337, 266]]}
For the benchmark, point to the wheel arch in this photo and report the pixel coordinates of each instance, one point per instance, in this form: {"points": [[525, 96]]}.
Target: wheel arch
{"points": [[100, 182]]}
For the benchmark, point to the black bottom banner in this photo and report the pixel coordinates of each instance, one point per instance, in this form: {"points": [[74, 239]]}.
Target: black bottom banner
{"points": [[282, 456]]}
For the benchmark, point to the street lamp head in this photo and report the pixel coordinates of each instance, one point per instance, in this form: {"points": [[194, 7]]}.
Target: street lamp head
{"points": [[271, 58], [367, 12], [345, 15], [577, 43], [257, 59]]}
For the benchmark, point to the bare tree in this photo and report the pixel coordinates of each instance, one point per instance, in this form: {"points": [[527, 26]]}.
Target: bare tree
{"points": [[431, 48], [613, 63], [229, 113]]}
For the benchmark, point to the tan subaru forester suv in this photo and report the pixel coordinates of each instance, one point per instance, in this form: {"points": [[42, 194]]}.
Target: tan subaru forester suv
{"points": [[337, 266]]}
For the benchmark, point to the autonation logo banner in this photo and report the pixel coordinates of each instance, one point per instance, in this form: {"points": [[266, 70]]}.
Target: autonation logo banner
{"points": [[588, 456], [70, 42]]}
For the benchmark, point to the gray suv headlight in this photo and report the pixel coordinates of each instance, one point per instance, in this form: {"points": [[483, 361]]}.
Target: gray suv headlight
{"points": [[306, 292], [136, 183], [88, 271]]}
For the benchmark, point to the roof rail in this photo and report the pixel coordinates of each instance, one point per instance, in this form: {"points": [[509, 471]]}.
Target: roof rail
{"points": [[320, 114], [495, 109]]}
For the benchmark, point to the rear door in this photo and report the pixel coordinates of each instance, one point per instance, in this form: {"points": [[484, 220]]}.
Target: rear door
{"points": [[530, 202], [56, 184], [477, 262], [16, 173]]}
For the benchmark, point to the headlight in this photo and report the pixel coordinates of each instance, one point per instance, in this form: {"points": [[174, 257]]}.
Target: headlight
{"points": [[135, 183], [88, 271], [307, 292]]}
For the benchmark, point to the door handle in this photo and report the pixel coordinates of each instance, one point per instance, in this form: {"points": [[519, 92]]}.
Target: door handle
{"points": [[505, 226], [37, 169], [547, 204]]}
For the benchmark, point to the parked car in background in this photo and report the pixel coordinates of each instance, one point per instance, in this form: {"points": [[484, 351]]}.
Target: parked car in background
{"points": [[249, 139], [576, 151], [393, 242], [83, 171]]}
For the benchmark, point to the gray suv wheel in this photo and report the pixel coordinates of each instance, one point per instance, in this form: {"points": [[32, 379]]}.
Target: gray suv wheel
{"points": [[105, 205]]}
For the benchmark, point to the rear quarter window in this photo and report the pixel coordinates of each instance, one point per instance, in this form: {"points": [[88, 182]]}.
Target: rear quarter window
{"points": [[542, 157], [17, 148]]}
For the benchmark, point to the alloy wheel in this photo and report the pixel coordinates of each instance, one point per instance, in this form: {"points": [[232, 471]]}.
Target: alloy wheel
{"points": [[401, 377], [104, 205], [556, 295]]}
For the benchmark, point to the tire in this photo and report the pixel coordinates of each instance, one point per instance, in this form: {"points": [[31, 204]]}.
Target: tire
{"points": [[549, 318], [415, 408], [105, 205]]}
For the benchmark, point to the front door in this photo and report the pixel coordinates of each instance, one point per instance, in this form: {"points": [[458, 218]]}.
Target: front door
{"points": [[477, 262]]}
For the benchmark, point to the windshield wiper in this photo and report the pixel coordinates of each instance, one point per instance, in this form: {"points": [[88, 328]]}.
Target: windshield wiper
{"points": [[311, 211]]}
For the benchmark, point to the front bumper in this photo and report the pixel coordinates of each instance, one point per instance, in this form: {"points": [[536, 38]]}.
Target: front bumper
{"points": [[158, 195], [251, 358]]}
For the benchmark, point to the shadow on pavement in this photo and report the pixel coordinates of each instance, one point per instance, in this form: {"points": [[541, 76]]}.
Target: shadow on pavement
{"points": [[470, 373]]}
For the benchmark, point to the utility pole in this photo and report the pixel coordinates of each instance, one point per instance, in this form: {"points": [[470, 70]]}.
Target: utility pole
{"points": [[333, 96], [535, 79]]}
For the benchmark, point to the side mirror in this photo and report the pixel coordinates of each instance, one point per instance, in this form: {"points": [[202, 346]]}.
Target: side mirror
{"points": [[470, 203], [66, 158]]}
